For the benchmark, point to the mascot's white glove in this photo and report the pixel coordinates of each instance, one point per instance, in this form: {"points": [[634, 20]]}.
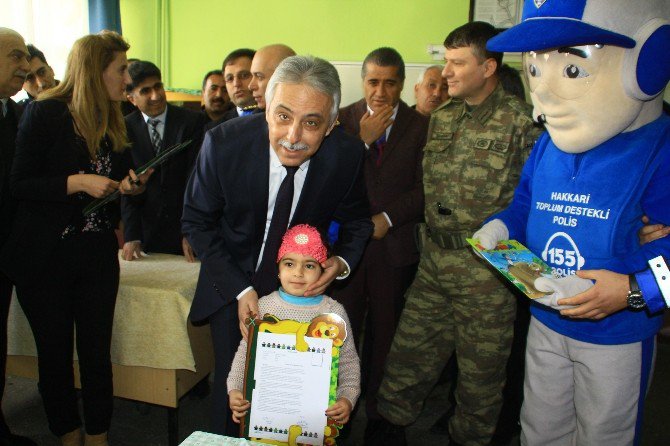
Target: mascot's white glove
{"points": [[560, 288], [491, 233]]}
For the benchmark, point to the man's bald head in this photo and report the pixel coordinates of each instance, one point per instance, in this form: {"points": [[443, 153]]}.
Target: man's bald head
{"points": [[14, 65], [9, 32], [263, 66]]}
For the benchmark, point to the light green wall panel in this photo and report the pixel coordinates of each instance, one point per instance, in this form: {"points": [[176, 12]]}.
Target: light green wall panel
{"points": [[201, 32], [139, 21]]}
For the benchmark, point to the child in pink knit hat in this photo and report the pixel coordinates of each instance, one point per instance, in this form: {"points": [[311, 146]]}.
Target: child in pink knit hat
{"points": [[300, 256]]}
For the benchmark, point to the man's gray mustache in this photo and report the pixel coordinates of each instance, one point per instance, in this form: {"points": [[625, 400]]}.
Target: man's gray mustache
{"points": [[21, 73], [293, 147]]}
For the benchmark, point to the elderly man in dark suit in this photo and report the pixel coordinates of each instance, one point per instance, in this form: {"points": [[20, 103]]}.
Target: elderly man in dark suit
{"points": [[256, 176], [394, 135], [14, 67], [152, 220]]}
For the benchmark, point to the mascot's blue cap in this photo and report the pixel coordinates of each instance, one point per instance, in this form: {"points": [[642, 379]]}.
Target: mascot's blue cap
{"points": [[549, 24]]}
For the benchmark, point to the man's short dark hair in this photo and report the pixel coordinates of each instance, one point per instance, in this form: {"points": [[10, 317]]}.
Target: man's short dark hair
{"points": [[141, 70], [234, 55], [385, 57], [510, 79], [474, 34], [34, 52], [210, 73]]}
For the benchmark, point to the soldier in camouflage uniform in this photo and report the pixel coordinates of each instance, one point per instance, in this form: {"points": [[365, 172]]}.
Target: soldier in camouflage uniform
{"points": [[477, 144]]}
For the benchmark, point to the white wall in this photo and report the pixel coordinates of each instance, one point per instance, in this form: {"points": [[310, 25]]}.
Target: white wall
{"points": [[52, 26]]}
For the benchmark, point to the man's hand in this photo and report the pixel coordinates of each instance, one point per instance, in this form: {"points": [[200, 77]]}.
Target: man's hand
{"points": [[649, 233], [374, 126], [132, 251], [332, 268], [607, 296], [247, 307], [188, 251], [381, 226], [340, 411], [238, 405]]}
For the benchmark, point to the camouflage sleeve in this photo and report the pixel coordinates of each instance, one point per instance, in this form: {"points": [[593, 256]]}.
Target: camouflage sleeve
{"points": [[515, 216], [529, 136]]}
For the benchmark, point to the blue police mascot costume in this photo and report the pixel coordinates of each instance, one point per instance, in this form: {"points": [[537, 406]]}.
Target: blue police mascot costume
{"points": [[596, 70]]}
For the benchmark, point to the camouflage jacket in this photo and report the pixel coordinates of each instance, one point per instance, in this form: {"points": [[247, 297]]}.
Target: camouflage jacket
{"points": [[473, 159]]}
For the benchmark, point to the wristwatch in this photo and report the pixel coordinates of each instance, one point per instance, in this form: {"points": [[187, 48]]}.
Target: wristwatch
{"points": [[634, 298]]}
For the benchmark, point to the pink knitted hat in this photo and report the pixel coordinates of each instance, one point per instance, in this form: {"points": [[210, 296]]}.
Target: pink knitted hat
{"points": [[305, 240]]}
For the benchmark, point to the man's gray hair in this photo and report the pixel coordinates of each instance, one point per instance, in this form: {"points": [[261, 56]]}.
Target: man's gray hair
{"points": [[311, 71], [425, 70]]}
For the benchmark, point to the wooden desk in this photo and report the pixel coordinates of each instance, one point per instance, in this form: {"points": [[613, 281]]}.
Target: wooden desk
{"points": [[186, 100], [157, 355]]}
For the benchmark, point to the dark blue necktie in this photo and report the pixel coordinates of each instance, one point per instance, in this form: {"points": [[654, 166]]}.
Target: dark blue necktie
{"points": [[265, 278]]}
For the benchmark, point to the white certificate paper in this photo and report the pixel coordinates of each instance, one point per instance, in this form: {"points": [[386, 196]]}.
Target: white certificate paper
{"points": [[291, 388]]}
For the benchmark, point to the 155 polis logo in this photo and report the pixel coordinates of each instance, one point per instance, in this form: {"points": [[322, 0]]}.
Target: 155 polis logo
{"points": [[562, 254]]}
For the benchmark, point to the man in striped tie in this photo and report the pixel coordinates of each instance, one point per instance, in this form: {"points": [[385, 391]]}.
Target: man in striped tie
{"points": [[152, 219]]}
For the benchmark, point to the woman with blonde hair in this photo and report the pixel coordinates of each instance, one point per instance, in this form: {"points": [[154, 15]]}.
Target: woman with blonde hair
{"points": [[71, 148]]}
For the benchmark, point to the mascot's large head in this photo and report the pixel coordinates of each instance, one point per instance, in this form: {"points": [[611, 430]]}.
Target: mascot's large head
{"points": [[595, 68]]}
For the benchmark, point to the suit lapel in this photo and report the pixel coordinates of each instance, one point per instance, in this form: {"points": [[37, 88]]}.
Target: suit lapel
{"points": [[361, 108], [16, 109], [143, 145], [173, 130], [397, 131], [172, 133], [320, 166], [258, 181]]}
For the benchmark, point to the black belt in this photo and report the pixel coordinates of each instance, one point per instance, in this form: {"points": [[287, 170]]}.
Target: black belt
{"points": [[448, 239]]}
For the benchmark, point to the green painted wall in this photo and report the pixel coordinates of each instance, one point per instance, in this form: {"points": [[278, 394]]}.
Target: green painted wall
{"points": [[140, 27], [199, 33]]}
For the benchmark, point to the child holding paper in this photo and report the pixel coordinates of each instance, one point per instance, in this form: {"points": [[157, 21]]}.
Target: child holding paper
{"points": [[300, 257]]}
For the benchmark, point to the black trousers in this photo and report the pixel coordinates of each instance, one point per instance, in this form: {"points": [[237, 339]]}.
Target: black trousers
{"points": [[5, 298], [78, 289], [226, 337]]}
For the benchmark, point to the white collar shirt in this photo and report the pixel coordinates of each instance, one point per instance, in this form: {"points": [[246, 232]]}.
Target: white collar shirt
{"points": [[277, 175], [160, 127]]}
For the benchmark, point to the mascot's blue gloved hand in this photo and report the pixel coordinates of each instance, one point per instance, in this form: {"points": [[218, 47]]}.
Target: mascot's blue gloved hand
{"points": [[491, 233], [560, 288]]}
